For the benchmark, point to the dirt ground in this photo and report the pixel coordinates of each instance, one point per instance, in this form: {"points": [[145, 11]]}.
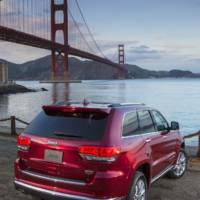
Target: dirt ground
{"points": [[186, 188]]}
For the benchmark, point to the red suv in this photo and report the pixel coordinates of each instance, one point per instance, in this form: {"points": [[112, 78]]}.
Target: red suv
{"points": [[90, 151]]}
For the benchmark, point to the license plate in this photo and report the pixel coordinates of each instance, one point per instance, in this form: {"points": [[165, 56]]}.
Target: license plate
{"points": [[53, 156]]}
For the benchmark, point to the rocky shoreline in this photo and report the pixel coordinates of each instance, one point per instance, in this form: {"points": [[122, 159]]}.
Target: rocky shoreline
{"points": [[14, 89]]}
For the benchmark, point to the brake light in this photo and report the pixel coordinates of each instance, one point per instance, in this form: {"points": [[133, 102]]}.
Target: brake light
{"points": [[23, 143], [107, 154]]}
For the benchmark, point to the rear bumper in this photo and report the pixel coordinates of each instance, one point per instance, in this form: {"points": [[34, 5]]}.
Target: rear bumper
{"points": [[49, 194], [103, 185]]}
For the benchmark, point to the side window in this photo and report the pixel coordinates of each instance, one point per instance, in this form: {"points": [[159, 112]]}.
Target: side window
{"points": [[131, 125], [146, 122], [160, 121]]}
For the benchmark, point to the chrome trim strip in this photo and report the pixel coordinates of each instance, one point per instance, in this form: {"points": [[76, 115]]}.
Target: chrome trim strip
{"points": [[161, 174], [23, 186], [54, 179], [142, 134]]}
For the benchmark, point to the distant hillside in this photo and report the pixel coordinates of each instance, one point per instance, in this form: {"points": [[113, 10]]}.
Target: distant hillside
{"points": [[86, 70]]}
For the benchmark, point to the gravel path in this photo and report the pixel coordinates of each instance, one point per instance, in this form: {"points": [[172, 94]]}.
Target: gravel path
{"points": [[187, 188]]}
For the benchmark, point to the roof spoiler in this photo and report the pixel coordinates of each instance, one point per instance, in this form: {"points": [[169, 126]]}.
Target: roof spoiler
{"points": [[70, 109]]}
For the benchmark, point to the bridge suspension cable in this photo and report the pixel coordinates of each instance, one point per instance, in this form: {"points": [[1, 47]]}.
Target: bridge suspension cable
{"points": [[28, 22], [29, 16], [33, 17], [81, 34], [89, 31]]}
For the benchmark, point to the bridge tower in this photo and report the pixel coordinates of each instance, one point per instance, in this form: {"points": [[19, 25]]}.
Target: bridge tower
{"points": [[121, 54], [59, 58], [121, 58]]}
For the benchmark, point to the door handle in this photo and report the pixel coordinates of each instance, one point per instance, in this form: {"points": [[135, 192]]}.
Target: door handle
{"points": [[148, 140]]}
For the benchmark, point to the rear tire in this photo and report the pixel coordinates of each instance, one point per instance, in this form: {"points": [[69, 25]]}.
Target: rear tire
{"points": [[139, 188], [181, 166]]}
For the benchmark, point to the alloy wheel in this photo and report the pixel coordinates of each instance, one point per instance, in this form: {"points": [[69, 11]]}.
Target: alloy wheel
{"points": [[180, 166], [140, 190]]}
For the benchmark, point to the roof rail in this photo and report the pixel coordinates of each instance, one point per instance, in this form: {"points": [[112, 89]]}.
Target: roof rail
{"points": [[126, 104], [105, 104], [131, 104]]}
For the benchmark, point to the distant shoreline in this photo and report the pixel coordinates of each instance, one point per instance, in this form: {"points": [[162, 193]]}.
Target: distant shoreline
{"points": [[126, 79], [40, 69]]}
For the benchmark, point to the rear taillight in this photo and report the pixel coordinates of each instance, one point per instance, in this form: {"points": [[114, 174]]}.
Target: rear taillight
{"points": [[106, 154], [23, 143]]}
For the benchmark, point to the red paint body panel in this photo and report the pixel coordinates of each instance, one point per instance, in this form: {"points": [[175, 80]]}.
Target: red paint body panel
{"points": [[96, 179]]}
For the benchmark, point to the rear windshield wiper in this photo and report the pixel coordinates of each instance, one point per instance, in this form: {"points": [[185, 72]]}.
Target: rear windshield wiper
{"points": [[66, 135]]}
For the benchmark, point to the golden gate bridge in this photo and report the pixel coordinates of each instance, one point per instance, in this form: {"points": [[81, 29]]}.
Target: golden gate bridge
{"points": [[52, 25]]}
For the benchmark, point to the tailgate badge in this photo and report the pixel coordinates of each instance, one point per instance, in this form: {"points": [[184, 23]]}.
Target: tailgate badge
{"points": [[52, 143]]}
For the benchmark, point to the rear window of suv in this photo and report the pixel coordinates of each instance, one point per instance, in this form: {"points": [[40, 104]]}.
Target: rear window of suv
{"points": [[74, 125]]}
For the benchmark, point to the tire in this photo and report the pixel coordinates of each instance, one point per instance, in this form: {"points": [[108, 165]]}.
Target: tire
{"points": [[181, 166], [138, 181]]}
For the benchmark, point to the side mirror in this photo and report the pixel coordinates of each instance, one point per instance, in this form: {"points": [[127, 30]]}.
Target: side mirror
{"points": [[175, 126]]}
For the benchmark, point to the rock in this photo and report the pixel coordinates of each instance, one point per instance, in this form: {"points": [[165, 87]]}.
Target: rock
{"points": [[44, 89], [14, 89]]}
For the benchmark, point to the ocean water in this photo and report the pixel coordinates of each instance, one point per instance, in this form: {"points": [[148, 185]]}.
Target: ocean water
{"points": [[177, 99]]}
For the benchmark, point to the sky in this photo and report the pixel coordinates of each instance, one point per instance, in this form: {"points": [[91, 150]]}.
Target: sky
{"points": [[158, 34]]}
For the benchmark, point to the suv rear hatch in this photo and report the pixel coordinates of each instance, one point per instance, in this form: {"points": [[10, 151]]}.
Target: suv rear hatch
{"points": [[55, 138]]}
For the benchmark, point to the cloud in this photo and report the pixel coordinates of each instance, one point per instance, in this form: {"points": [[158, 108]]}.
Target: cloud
{"points": [[134, 51], [179, 46], [142, 52], [195, 60], [109, 45]]}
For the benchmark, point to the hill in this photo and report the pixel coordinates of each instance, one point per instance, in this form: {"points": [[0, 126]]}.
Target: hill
{"points": [[87, 70]]}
